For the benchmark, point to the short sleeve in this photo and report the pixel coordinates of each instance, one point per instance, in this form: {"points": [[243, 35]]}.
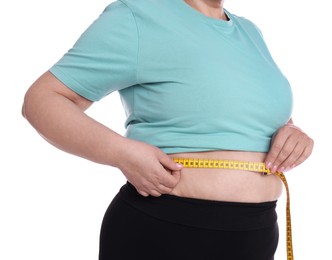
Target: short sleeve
{"points": [[104, 59]]}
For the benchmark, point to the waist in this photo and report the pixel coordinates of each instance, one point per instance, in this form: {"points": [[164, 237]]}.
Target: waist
{"points": [[227, 184]]}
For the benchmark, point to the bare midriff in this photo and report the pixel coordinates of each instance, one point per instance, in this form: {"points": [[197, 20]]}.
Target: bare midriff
{"points": [[226, 184]]}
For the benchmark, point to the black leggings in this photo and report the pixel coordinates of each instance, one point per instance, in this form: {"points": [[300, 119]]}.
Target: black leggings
{"points": [[174, 228]]}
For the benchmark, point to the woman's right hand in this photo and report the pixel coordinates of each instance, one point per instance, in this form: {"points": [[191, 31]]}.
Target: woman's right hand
{"points": [[149, 169]]}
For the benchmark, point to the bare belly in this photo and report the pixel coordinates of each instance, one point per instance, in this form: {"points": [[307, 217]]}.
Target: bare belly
{"points": [[227, 185]]}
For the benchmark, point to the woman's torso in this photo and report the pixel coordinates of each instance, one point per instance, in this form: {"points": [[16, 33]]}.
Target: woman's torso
{"points": [[227, 184], [217, 88], [188, 83]]}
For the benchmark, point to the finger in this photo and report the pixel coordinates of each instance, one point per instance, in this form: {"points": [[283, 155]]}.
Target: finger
{"points": [[291, 150], [143, 193], [300, 152], [149, 191], [305, 154], [293, 157], [154, 193], [275, 149], [166, 189], [168, 178], [168, 163], [160, 181], [177, 175]]}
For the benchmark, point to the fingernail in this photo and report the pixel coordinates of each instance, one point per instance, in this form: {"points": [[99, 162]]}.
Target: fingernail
{"points": [[287, 169], [179, 165], [281, 169], [268, 165], [274, 168]]}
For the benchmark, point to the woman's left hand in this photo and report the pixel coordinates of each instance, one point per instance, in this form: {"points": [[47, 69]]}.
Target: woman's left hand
{"points": [[289, 147]]}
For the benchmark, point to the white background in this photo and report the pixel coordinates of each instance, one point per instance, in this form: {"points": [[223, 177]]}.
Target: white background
{"points": [[52, 203]]}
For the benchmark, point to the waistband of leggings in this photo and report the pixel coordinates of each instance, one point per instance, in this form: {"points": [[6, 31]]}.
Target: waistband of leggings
{"points": [[201, 213]]}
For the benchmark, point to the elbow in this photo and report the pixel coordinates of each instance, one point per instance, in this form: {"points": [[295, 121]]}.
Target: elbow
{"points": [[30, 105], [26, 104], [23, 110]]}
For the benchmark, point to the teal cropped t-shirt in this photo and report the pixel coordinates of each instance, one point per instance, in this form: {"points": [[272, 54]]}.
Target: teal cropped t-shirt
{"points": [[188, 82]]}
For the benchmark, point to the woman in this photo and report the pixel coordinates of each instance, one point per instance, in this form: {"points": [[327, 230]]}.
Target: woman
{"points": [[196, 81]]}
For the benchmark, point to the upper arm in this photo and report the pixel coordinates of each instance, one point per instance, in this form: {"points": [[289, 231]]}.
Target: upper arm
{"points": [[105, 58], [48, 84]]}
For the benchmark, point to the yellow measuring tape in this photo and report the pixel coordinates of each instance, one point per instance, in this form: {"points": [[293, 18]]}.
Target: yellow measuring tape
{"points": [[246, 166]]}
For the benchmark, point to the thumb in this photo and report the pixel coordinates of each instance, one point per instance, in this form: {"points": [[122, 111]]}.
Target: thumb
{"points": [[177, 175], [169, 164]]}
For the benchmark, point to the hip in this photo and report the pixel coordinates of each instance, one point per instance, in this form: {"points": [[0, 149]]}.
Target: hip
{"points": [[196, 228]]}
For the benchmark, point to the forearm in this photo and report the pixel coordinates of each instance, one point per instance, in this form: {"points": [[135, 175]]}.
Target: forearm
{"points": [[62, 123]]}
